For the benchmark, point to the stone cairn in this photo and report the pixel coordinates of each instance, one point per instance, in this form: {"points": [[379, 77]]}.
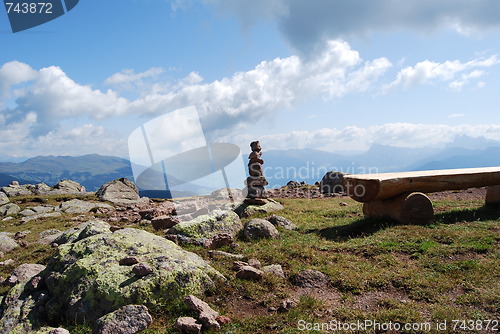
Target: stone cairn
{"points": [[256, 181]]}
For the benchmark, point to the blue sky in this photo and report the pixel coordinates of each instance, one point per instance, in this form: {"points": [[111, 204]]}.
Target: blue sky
{"points": [[332, 75]]}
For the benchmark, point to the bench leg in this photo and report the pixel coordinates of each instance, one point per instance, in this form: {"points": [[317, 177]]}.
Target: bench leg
{"points": [[413, 208], [493, 195]]}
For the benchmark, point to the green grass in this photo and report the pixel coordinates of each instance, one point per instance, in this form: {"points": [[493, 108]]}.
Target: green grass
{"points": [[378, 269]]}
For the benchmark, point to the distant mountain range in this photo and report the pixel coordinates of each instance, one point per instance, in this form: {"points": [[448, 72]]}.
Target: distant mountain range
{"points": [[91, 170], [280, 166]]}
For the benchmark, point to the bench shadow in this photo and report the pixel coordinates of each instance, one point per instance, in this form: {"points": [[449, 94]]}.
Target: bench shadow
{"points": [[360, 228], [486, 212], [368, 226]]}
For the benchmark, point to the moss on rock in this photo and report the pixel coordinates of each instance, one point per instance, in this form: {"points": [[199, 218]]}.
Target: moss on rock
{"points": [[85, 279], [206, 226]]}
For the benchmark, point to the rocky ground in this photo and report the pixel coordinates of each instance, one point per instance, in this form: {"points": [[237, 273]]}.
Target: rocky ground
{"points": [[106, 272]]}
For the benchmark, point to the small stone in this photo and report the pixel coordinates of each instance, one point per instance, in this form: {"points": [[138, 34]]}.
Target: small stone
{"points": [[142, 269], [280, 221], [255, 263], [206, 314], [115, 228], [223, 320], [250, 273], [20, 235], [129, 260], [22, 243], [164, 222], [343, 204], [129, 319], [54, 245], [274, 269], [6, 262], [34, 283], [238, 265], [310, 279], [216, 253], [260, 228], [187, 325], [287, 305], [59, 330], [218, 241]]}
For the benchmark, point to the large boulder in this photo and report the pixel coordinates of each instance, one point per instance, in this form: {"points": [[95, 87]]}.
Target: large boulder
{"points": [[7, 243], [332, 183], [207, 226], [16, 190], [119, 191], [86, 281], [79, 206], [9, 209], [4, 199], [67, 187]]}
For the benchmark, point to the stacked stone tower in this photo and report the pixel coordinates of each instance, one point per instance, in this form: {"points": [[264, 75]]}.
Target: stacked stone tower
{"points": [[256, 181]]}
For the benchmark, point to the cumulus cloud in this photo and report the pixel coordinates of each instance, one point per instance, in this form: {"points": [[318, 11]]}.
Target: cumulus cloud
{"points": [[307, 24], [14, 73], [428, 71], [353, 138], [223, 104]]}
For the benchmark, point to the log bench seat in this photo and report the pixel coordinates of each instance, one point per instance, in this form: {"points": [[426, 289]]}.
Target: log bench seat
{"points": [[401, 196]]}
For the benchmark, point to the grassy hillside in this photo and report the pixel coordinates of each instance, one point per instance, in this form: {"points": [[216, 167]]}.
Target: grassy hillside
{"points": [[378, 270]]}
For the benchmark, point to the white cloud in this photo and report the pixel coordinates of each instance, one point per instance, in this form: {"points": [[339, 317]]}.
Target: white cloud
{"points": [[353, 138], [14, 73], [426, 72], [307, 24]]}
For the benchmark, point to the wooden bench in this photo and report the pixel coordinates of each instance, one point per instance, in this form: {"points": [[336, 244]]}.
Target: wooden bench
{"points": [[401, 196]]}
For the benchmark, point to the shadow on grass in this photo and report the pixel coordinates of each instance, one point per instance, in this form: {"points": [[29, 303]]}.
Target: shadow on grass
{"points": [[360, 228], [487, 212], [368, 226]]}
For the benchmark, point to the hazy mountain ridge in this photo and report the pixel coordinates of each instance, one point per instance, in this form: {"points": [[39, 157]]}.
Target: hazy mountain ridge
{"points": [[280, 166], [92, 170]]}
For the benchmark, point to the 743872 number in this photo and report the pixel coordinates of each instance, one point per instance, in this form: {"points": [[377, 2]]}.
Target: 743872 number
{"points": [[29, 7]]}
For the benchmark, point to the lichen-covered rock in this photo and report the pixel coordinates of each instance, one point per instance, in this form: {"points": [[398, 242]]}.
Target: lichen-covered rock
{"points": [[20, 307], [247, 210], [4, 199], [259, 229], [7, 243], [129, 319], [207, 226], [82, 231], [9, 209], [79, 206], [280, 221], [86, 281], [119, 191]]}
